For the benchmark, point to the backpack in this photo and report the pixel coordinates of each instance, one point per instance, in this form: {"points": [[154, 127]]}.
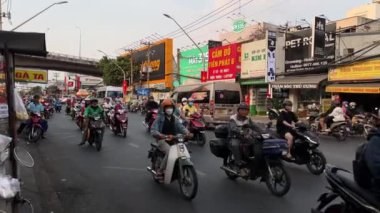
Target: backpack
{"points": [[362, 175]]}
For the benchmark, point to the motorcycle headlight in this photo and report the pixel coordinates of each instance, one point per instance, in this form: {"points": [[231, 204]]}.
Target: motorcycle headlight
{"points": [[265, 136]]}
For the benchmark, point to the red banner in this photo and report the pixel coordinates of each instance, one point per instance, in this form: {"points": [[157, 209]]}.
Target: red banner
{"points": [[125, 87], [224, 62], [203, 76]]}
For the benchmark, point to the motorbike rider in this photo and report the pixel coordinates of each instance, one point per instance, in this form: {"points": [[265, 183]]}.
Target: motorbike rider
{"points": [[286, 123], [236, 123], [149, 107], [118, 106], [352, 110], [164, 128], [336, 115], [92, 110], [35, 107], [189, 108]]}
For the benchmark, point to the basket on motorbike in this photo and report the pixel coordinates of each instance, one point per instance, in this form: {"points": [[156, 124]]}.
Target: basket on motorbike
{"points": [[221, 131], [274, 146], [219, 147]]}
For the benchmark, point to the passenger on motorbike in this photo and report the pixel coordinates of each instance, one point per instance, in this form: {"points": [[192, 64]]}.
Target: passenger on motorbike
{"points": [[118, 106], [164, 128], [34, 107], [149, 106], [236, 124], [189, 108], [336, 115], [372, 156], [93, 110], [352, 110], [286, 123]]}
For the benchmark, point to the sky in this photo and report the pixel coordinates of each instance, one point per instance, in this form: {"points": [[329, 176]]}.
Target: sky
{"points": [[110, 25]]}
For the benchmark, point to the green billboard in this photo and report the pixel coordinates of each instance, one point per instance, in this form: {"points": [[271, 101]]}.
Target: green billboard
{"points": [[191, 65]]}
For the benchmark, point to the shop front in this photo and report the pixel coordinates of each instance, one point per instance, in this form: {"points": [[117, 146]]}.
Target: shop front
{"points": [[358, 82]]}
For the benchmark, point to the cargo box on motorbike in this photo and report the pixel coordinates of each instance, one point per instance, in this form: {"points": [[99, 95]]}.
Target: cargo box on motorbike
{"points": [[219, 148], [274, 146], [221, 131]]}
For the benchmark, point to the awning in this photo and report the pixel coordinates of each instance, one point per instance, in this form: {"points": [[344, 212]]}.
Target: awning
{"points": [[257, 81], [363, 88], [299, 82]]}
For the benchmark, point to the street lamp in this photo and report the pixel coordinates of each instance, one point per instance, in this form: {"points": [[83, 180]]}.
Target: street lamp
{"points": [[61, 2], [119, 67], [203, 55], [80, 41]]}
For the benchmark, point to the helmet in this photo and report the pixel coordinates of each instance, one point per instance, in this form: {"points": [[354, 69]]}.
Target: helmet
{"points": [[166, 103], [184, 99], [36, 97], [352, 104], [287, 103], [93, 100], [243, 106]]}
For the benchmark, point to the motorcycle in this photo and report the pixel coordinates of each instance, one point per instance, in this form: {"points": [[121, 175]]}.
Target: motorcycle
{"points": [[305, 150], [58, 107], [96, 132], [46, 113], [339, 129], [76, 110], [197, 127], [273, 113], [34, 131], [79, 119], [148, 125], [106, 116], [343, 186], [179, 167], [122, 120], [268, 167]]}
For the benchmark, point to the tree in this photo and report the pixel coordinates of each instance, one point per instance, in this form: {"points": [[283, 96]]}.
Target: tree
{"points": [[37, 90], [53, 90], [112, 74]]}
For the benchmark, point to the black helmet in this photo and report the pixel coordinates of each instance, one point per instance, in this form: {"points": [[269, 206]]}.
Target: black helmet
{"points": [[287, 103], [243, 106], [94, 100], [36, 97]]}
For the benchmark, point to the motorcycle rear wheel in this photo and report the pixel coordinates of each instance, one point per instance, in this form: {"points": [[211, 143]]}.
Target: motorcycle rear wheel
{"points": [[98, 141], [34, 134], [280, 177], [188, 180], [317, 163], [124, 132]]}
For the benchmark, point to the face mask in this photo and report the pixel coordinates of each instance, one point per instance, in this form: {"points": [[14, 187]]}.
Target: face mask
{"points": [[169, 111], [190, 103]]}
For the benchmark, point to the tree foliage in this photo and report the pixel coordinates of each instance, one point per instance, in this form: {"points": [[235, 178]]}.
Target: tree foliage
{"points": [[37, 90], [53, 90], [112, 74]]}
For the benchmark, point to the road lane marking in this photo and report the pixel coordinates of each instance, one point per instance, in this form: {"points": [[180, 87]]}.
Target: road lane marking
{"points": [[134, 145], [124, 168]]}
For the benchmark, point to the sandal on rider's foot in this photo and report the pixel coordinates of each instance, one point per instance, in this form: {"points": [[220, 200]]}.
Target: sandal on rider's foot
{"points": [[289, 157]]}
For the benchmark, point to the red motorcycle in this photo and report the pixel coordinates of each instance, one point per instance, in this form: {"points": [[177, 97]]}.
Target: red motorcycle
{"points": [[120, 125], [34, 130], [148, 125], [197, 127]]}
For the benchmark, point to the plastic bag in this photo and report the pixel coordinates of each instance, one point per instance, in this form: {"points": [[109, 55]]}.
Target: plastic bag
{"points": [[20, 109], [9, 187]]}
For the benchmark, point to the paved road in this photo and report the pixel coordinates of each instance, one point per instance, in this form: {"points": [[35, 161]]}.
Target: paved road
{"points": [[69, 178]]}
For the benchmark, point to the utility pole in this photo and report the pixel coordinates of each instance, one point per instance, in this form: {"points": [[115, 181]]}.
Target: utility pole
{"points": [[131, 77]]}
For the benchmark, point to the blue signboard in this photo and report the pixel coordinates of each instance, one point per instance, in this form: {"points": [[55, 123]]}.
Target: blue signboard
{"points": [[143, 92]]}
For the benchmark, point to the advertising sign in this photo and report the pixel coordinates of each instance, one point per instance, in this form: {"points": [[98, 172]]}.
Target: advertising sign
{"points": [[298, 50], [224, 62], [160, 56], [71, 85], [365, 89], [271, 57], [191, 64], [239, 25], [367, 70], [318, 36], [33, 76], [253, 59]]}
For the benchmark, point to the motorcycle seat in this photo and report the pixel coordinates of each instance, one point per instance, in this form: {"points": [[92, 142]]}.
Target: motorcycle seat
{"points": [[348, 179]]}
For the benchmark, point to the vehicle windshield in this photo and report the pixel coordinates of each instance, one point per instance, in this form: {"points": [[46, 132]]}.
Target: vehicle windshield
{"points": [[227, 97], [114, 94]]}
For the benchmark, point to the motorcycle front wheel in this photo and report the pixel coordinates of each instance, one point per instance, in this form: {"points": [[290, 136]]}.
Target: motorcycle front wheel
{"points": [[98, 141], [201, 139], [34, 134], [317, 162], [277, 180], [124, 132], [188, 183]]}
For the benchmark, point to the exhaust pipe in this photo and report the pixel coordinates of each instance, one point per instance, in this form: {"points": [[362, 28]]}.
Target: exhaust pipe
{"points": [[151, 170], [229, 170]]}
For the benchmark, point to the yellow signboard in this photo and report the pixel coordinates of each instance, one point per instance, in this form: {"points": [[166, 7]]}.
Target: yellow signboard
{"points": [[33, 76], [367, 70], [350, 89]]}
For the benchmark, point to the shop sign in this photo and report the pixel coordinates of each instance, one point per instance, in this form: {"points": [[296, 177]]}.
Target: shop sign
{"points": [[32, 76], [239, 25], [224, 62], [271, 58], [71, 85], [191, 64], [298, 45], [368, 70], [318, 33], [254, 59], [354, 89], [295, 86]]}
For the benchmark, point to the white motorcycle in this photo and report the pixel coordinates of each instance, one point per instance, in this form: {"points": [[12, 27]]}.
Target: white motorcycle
{"points": [[179, 167]]}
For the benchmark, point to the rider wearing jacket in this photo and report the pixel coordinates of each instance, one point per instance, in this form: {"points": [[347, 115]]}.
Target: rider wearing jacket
{"points": [[236, 123], [149, 106], [91, 111], [35, 107], [164, 128]]}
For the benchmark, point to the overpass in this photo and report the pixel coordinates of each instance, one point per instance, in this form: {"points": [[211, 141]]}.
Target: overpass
{"points": [[60, 62]]}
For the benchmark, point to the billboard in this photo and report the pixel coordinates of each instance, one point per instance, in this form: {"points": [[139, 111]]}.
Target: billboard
{"points": [[298, 50], [366, 70], [318, 36], [191, 64], [253, 59], [29, 75], [271, 57], [224, 62]]}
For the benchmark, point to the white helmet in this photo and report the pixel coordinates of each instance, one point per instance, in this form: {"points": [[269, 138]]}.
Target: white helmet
{"points": [[184, 100], [352, 104]]}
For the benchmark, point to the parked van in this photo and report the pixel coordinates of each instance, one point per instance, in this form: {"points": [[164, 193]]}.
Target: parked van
{"points": [[216, 100], [109, 92]]}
